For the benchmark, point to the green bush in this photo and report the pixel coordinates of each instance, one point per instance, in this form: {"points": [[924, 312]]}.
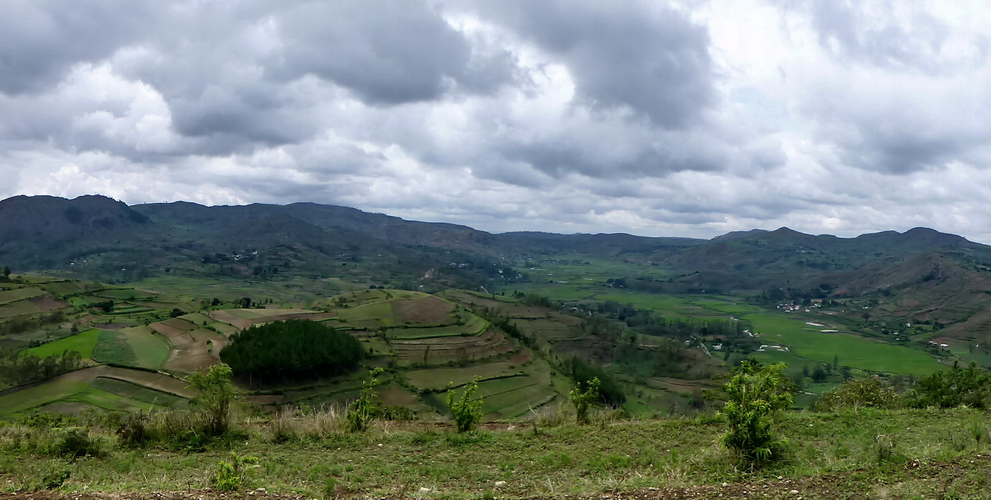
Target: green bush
{"points": [[216, 397], [133, 430], [856, 393], [233, 475], [467, 411], [362, 410], [755, 392], [957, 386], [583, 398], [76, 442]]}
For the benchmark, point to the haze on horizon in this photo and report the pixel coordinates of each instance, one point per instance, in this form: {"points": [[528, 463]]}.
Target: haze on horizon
{"points": [[690, 118]]}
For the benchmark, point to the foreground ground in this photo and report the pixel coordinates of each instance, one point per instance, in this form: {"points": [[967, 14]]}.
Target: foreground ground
{"points": [[865, 454]]}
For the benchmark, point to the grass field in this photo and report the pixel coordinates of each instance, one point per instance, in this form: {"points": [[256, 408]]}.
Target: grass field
{"points": [[829, 456], [7, 296], [852, 350], [438, 378], [113, 347], [33, 397], [82, 342], [150, 349]]}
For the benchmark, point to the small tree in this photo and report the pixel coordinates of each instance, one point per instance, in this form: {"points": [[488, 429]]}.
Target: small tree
{"points": [[467, 411], [360, 411], [6, 272], [583, 398], [216, 397], [755, 393]]}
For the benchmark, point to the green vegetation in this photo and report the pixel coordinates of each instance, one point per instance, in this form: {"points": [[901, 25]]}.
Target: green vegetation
{"points": [[583, 398], [112, 348], [868, 393], [19, 369], [361, 411], [755, 393], [291, 350], [215, 398], [82, 342], [466, 410], [957, 386]]}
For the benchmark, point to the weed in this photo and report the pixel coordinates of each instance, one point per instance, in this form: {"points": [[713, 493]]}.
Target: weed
{"points": [[283, 426], [133, 431], [978, 431], [330, 488], [232, 476], [52, 479], [75, 442]]}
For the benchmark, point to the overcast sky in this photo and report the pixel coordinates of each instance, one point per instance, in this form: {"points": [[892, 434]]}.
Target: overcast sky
{"points": [[690, 118]]}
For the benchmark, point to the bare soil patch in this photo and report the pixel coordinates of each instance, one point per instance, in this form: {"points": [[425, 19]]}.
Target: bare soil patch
{"points": [[47, 303], [428, 310], [190, 351]]}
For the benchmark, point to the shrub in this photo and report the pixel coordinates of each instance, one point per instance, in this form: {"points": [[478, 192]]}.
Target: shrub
{"points": [[867, 392], [583, 398], [467, 411], [75, 442], [133, 430], [232, 476], [755, 392], [361, 411], [957, 386]]}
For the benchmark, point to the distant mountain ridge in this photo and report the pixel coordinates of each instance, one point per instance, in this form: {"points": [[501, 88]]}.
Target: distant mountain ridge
{"points": [[108, 236]]}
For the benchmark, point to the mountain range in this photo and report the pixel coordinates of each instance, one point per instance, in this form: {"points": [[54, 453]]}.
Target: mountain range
{"points": [[923, 274]]}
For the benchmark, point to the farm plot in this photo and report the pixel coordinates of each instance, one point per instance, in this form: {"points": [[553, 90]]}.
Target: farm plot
{"points": [[442, 350], [150, 349], [8, 296], [371, 316], [82, 342], [438, 378], [190, 350], [428, 310], [74, 391], [112, 348], [854, 351], [518, 401], [19, 308], [550, 330], [136, 392], [245, 318], [474, 326]]}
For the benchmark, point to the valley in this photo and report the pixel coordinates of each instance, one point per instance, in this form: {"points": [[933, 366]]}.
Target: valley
{"points": [[108, 326]]}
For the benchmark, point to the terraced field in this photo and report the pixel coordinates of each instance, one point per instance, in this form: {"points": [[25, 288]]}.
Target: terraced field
{"points": [[433, 341]]}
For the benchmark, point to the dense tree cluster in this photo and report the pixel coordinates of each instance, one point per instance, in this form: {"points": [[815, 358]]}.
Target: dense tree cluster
{"points": [[291, 350], [17, 368], [610, 392], [957, 386]]}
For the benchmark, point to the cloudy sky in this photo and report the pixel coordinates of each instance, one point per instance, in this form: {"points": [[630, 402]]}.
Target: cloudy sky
{"points": [[689, 118]]}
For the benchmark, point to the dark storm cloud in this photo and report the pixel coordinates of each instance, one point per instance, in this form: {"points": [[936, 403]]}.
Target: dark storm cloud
{"points": [[642, 55], [387, 52], [41, 39]]}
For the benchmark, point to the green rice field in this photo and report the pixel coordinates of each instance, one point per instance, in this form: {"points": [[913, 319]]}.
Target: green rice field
{"points": [[83, 342]]}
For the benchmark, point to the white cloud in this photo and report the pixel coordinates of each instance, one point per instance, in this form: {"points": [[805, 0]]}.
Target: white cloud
{"points": [[633, 116]]}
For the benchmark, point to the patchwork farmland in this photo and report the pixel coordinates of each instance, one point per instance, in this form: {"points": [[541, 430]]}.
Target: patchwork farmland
{"points": [[138, 345]]}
